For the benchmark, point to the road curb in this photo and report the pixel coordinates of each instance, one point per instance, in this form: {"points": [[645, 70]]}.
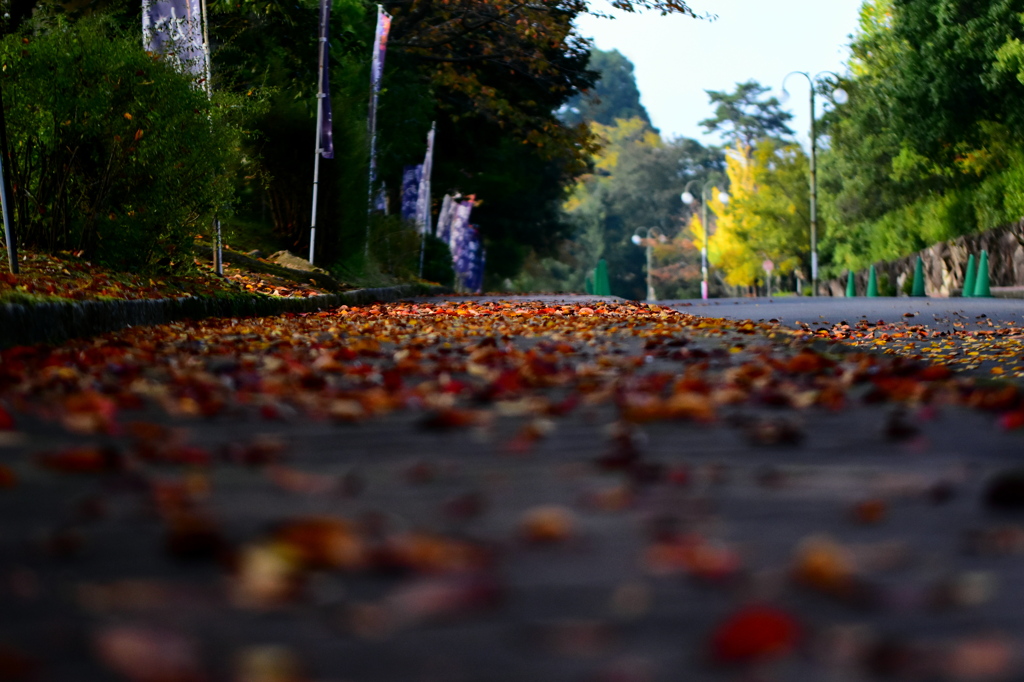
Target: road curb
{"points": [[57, 322]]}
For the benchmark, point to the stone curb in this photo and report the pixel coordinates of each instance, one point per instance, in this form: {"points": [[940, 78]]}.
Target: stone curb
{"points": [[57, 322]]}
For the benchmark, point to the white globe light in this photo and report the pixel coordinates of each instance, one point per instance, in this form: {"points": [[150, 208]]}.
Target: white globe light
{"points": [[687, 198], [723, 197], [840, 96], [636, 239]]}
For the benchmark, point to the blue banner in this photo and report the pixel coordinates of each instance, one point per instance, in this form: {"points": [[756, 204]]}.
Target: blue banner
{"points": [[411, 178]]}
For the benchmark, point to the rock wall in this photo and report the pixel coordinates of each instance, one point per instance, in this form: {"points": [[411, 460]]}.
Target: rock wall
{"points": [[944, 265]]}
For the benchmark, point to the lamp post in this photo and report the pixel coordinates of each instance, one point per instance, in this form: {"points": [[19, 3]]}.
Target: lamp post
{"points": [[839, 96], [689, 199], [645, 236]]}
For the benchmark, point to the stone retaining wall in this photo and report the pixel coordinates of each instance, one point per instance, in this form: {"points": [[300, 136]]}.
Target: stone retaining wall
{"points": [[945, 263]]}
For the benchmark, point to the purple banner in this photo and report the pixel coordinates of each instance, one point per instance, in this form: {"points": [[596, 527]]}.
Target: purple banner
{"points": [[411, 179], [468, 259], [327, 120], [175, 28]]}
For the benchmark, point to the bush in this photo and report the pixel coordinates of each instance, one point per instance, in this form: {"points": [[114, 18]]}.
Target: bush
{"points": [[114, 153]]}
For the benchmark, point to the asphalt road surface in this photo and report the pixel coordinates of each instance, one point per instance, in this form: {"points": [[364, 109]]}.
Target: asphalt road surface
{"points": [[791, 516]]}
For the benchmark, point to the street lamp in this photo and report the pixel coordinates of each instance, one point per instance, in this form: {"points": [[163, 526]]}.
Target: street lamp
{"points": [[689, 199], [839, 97], [645, 236]]}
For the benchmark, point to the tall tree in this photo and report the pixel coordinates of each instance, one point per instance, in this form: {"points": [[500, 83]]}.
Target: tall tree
{"points": [[745, 116], [614, 96], [766, 216]]}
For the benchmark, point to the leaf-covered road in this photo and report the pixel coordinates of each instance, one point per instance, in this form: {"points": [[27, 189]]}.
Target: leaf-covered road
{"points": [[503, 490]]}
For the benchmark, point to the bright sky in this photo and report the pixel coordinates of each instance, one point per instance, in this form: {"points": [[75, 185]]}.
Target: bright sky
{"points": [[678, 58]]}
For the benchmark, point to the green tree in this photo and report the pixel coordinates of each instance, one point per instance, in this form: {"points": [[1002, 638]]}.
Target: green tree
{"points": [[113, 153], [614, 95], [636, 183], [766, 216], [745, 116]]}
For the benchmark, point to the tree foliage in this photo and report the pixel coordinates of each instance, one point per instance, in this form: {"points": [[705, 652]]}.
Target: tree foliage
{"points": [[113, 153], [745, 116], [636, 183], [766, 217], [929, 145], [615, 94]]}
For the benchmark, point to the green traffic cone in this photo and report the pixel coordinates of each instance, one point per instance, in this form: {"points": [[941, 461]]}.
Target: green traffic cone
{"points": [[918, 288], [851, 290], [872, 283], [981, 286], [601, 285], [970, 277]]}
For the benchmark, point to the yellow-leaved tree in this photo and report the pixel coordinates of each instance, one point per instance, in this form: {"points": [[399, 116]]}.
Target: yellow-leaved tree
{"points": [[766, 217]]}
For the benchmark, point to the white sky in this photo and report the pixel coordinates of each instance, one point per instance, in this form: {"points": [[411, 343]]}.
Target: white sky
{"points": [[678, 58]]}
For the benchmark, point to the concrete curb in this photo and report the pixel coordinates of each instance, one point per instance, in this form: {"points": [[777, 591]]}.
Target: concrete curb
{"points": [[57, 322]]}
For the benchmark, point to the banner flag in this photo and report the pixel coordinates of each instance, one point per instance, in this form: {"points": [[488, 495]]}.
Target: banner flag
{"points": [[459, 223], [175, 28], [444, 219], [423, 222], [327, 118], [380, 46], [411, 178]]}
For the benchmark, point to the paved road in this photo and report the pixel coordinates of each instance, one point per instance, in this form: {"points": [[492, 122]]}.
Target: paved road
{"points": [[935, 312], [510, 541]]}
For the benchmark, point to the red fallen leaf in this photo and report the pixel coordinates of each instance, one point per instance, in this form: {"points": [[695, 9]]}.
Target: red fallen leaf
{"points": [[82, 460], [8, 479], [449, 419], [430, 553], [935, 373], [754, 634], [16, 666], [1011, 421], [995, 398], [695, 556], [149, 655], [444, 598], [194, 537], [808, 362], [89, 412], [187, 454], [547, 525], [6, 420], [869, 512], [324, 542]]}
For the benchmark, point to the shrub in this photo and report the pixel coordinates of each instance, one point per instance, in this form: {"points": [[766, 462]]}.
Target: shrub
{"points": [[113, 152]]}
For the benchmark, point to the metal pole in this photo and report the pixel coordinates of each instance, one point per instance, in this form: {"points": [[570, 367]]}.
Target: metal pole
{"points": [[319, 146], [650, 281], [218, 242], [814, 199], [5, 195], [704, 246]]}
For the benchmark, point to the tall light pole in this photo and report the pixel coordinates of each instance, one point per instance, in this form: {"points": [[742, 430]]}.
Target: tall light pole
{"points": [[645, 236], [839, 96], [689, 199]]}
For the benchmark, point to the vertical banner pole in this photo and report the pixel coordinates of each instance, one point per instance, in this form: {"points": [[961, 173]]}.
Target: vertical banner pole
{"points": [[423, 199], [218, 242], [376, 75], [5, 195], [319, 147], [324, 148]]}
